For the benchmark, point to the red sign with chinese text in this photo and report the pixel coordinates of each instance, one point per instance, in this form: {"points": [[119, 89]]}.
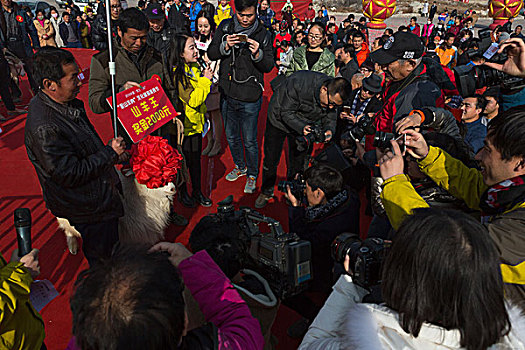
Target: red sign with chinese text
{"points": [[143, 110]]}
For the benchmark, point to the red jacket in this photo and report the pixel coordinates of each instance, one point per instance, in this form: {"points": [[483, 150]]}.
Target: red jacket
{"points": [[416, 30], [363, 54]]}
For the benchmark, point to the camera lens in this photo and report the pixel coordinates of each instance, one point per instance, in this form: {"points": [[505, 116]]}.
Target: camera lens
{"points": [[343, 245]]}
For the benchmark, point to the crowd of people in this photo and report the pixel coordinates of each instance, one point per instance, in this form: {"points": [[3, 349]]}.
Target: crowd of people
{"points": [[423, 125]]}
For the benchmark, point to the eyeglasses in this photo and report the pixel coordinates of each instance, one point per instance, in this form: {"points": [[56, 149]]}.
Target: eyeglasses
{"points": [[315, 37], [116, 7], [331, 104], [367, 91]]}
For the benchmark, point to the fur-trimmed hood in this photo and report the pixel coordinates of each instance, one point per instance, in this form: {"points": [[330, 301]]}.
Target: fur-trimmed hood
{"points": [[370, 326]]}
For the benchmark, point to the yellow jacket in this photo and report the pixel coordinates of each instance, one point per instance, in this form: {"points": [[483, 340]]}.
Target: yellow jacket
{"points": [[194, 100], [21, 326], [506, 230], [221, 13]]}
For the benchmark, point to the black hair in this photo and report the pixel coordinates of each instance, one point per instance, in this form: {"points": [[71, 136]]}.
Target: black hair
{"points": [[457, 286], [402, 29], [493, 91], [324, 177], [339, 86], [133, 18], [390, 31], [48, 64], [241, 5], [222, 240], [178, 44], [362, 19], [349, 48], [141, 4], [330, 25], [51, 8], [480, 101], [507, 132], [133, 300], [322, 28], [213, 26], [431, 45], [380, 40], [358, 34], [449, 35], [413, 18], [519, 25], [65, 13]]}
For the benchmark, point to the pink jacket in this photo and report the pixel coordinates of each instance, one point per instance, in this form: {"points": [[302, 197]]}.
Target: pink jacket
{"points": [[220, 304]]}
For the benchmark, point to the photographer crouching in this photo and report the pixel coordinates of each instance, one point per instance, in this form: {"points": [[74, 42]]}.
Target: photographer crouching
{"points": [[329, 210]]}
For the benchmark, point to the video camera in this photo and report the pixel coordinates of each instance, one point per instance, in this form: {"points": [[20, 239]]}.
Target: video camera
{"points": [[281, 258], [305, 142], [470, 78], [366, 257]]}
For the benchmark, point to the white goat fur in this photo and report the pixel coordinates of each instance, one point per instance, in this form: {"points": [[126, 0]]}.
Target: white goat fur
{"points": [[146, 214]]}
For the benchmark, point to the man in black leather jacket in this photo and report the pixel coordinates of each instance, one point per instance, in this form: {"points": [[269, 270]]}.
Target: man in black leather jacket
{"points": [[99, 31], [305, 101], [160, 33], [75, 169]]}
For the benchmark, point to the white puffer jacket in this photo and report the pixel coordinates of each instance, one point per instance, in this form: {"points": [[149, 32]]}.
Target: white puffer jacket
{"points": [[344, 323]]}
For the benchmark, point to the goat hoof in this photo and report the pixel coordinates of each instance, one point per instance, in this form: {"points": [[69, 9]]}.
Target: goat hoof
{"points": [[72, 245]]}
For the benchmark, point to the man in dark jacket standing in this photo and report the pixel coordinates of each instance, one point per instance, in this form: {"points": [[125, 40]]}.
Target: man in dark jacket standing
{"points": [[74, 167], [160, 33], [346, 58], [99, 31], [245, 49], [68, 31], [305, 101], [18, 34]]}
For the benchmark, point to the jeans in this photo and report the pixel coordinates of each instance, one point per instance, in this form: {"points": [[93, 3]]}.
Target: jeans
{"points": [[192, 149], [273, 146], [74, 45], [240, 118], [98, 239]]}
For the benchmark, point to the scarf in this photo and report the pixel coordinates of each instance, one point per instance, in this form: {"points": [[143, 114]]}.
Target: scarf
{"points": [[502, 196], [238, 29], [361, 110], [320, 211]]}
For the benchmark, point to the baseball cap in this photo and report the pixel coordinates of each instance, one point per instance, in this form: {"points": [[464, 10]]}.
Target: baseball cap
{"points": [[401, 45], [154, 11]]}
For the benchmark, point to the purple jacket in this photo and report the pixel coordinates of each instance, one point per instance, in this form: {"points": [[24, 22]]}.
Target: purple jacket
{"points": [[220, 304]]}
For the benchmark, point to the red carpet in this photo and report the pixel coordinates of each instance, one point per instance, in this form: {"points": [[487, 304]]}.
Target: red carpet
{"points": [[20, 188]]}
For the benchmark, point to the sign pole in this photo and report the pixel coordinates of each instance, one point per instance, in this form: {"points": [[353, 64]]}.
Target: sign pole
{"points": [[111, 66]]}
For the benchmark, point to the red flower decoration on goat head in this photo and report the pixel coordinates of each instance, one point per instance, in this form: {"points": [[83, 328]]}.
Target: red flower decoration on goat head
{"points": [[154, 162]]}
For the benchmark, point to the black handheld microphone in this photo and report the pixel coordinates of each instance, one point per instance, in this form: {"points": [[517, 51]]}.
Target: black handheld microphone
{"points": [[202, 63], [23, 230]]}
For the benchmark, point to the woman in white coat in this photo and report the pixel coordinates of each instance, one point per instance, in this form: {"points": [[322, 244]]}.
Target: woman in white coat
{"points": [[442, 288], [55, 20]]}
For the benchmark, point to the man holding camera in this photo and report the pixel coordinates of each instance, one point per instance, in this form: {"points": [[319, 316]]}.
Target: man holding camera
{"points": [[331, 210], [244, 47], [498, 190], [303, 106], [75, 169], [409, 85]]}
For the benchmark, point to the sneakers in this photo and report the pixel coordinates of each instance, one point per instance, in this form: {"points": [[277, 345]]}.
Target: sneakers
{"points": [[262, 200], [250, 184], [235, 174]]}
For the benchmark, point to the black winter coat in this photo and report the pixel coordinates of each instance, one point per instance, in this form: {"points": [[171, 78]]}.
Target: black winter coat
{"points": [[75, 169], [64, 31], [241, 77], [99, 32], [334, 218], [295, 104]]}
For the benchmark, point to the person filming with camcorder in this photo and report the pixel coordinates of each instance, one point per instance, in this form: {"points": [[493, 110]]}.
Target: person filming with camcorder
{"points": [[320, 209]]}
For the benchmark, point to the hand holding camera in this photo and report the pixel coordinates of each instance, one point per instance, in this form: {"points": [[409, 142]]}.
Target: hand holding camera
{"points": [[515, 63], [392, 162], [415, 144], [231, 41]]}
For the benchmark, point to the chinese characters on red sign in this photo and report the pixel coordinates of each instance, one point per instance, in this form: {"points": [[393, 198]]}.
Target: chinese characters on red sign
{"points": [[143, 110]]}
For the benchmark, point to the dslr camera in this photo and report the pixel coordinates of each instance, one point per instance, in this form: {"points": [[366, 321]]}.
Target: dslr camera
{"points": [[297, 187], [305, 142], [365, 126], [366, 257], [281, 258]]}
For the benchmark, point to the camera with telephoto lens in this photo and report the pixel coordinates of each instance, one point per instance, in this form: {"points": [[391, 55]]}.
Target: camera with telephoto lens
{"points": [[356, 131], [366, 257], [281, 258], [297, 187], [305, 142]]}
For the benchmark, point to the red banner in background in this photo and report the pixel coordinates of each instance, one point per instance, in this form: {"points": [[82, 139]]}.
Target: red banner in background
{"points": [[143, 110]]}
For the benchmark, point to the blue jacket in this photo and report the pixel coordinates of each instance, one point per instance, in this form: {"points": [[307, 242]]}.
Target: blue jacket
{"points": [[29, 34], [195, 8], [476, 133]]}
